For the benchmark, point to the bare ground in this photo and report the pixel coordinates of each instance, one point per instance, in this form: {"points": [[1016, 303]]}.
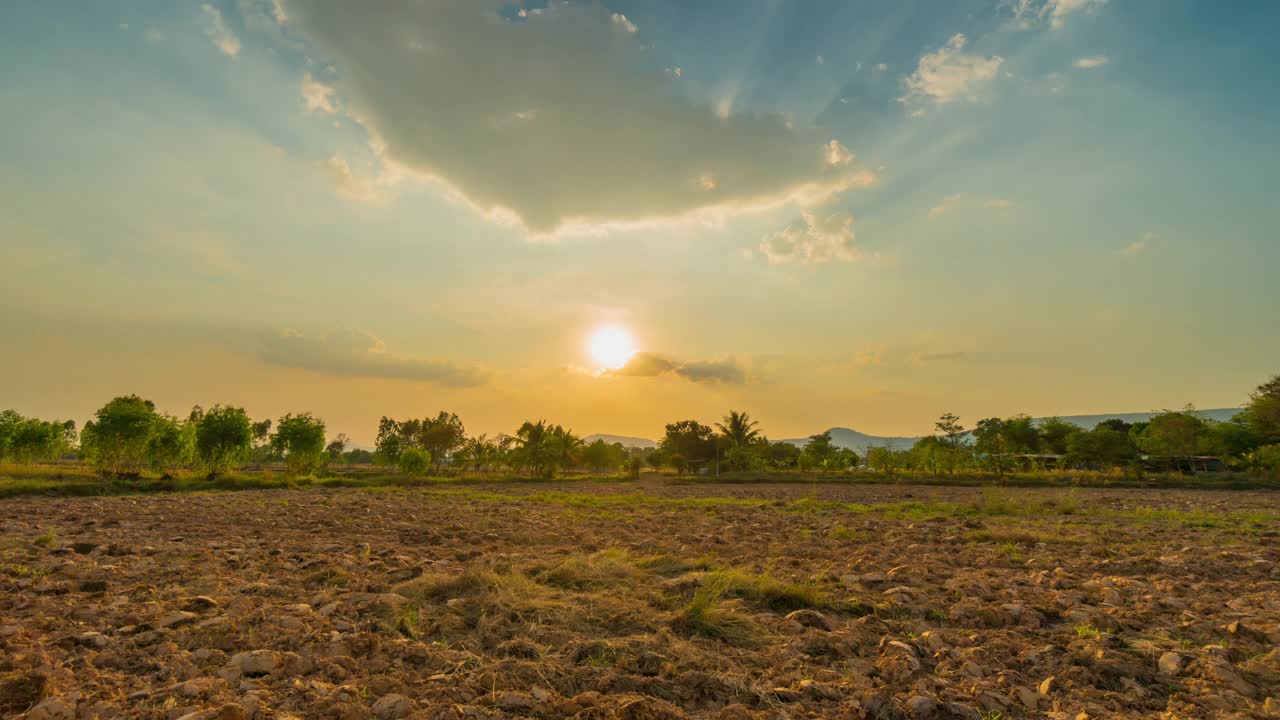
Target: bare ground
{"points": [[654, 600]]}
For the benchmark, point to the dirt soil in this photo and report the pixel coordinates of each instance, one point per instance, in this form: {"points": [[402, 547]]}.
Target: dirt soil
{"points": [[647, 601]]}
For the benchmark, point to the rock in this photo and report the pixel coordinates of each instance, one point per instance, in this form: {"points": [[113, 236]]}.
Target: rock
{"points": [[922, 707], [392, 707], [810, 618], [1170, 663], [254, 663], [55, 708], [92, 639], [200, 603], [175, 619], [1028, 697]]}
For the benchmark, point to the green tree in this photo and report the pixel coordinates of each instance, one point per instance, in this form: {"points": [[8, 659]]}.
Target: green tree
{"points": [[951, 429], [1053, 436], [599, 455], [336, 449], [692, 441], [1175, 435], [1103, 446], [535, 448], [116, 440], [991, 442], [738, 429], [884, 459], [821, 453], [413, 461], [224, 438], [170, 446], [1262, 414], [299, 439], [782, 456]]}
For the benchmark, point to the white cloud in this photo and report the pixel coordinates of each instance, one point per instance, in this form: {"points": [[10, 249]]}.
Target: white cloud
{"points": [[675, 71], [437, 84], [1028, 12], [946, 75], [1091, 62], [947, 204], [837, 155], [621, 21], [1137, 246], [347, 183], [882, 67], [316, 95], [813, 240], [216, 29]]}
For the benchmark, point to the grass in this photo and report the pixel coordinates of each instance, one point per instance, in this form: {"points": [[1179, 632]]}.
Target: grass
{"points": [[708, 615], [1087, 630]]}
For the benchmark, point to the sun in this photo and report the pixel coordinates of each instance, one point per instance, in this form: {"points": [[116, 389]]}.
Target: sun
{"points": [[611, 347]]}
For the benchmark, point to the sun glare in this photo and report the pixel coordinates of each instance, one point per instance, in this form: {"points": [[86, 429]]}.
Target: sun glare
{"points": [[611, 347]]}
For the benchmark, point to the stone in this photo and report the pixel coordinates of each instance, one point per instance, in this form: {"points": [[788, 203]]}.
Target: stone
{"points": [[392, 707], [1170, 663], [55, 708], [200, 603], [810, 618], [256, 662], [175, 619], [922, 707]]}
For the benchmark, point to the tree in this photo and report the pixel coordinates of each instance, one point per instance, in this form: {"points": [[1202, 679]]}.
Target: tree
{"points": [[224, 438], [951, 429], [299, 439], [413, 461], [782, 456], [116, 440], [1053, 436], [821, 453], [600, 455], [170, 446], [885, 459], [440, 436], [1103, 446], [1115, 424], [335, 449], [1175, 435], [691, 441], [1262, 414], [1234, 438], [991, 442], [928, 453], [536, 449], [29, 440], [738, 429]]}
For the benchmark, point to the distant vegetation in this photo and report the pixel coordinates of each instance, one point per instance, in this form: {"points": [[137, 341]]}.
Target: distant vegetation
{"points": [[128, 437]]}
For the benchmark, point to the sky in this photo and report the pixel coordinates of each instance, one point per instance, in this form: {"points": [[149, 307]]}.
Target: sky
{"points": [[823, 212]]}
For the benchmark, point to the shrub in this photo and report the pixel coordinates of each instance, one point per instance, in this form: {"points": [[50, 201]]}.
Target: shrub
{"points": [[117, 439], [299, 439], [414, 461], [224, 437]]}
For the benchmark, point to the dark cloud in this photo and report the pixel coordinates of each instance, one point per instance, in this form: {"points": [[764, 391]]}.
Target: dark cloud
{"points": [[553, 115], [707, 371], [355, 353]]}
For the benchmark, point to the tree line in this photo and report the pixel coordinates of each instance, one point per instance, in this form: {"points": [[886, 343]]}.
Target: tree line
{"points": [[128, 435]]}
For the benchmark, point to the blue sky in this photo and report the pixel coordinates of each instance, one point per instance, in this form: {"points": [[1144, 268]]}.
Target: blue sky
{"points": [[868, 213]]}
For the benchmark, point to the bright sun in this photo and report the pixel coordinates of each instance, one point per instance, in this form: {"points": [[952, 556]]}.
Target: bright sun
{"points": [[611, 347]]}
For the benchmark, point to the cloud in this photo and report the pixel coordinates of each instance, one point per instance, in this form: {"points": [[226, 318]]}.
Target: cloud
{"points": [[1029, 12], [316, 95], [837, 155], [609, 141], [1137, 246], [813, 240], [948, 204], [355, 353], [621, 21], [946, 75], [216, 28], [998, 204], [1091, 62], [705, 371], [348, 183]]}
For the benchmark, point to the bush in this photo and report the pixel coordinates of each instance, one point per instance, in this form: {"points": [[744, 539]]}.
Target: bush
{"points": [[299, 439], [414, 461], [224, 437], [117, 439]]}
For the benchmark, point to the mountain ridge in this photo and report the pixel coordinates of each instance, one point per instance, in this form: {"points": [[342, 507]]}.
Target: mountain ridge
{"points": [[860, 442]]}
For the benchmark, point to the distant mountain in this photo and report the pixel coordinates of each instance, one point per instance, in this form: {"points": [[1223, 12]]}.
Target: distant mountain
{"points": [[631, 442], [1088, 422], [860, 442]]}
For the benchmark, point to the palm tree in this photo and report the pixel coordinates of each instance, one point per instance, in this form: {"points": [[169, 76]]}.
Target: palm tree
{"points": [[533, 447], [739, 429]]}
